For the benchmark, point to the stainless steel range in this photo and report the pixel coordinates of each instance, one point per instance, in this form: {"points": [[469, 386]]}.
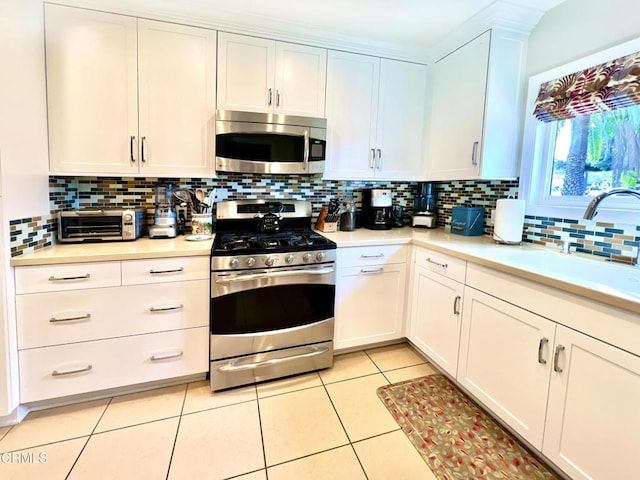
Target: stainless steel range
{"points": [[272, 293]]}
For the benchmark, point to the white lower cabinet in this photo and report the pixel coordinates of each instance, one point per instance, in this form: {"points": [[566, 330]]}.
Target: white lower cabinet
{"points": [[505, 359], [76, 368], [593, 420], [101, 325], [370, 295], [570, 395], [436, 307]]}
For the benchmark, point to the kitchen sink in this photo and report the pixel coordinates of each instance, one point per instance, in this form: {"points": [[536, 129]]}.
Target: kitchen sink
{"points": [[575, 268]]}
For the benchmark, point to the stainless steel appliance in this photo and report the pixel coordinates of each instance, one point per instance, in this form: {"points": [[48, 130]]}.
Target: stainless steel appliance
{"points": [[164, 220], [376, 209], [425, 211], [100, 225], [269, 143], [272, 293]]}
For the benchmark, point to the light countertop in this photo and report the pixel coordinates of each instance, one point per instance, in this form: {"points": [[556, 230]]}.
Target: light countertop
{"points": [[585, 275], [106, 251]]}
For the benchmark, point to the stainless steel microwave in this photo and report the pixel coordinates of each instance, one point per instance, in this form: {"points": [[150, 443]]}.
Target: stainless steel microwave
{"points": [[100, 225], [248, 142]]}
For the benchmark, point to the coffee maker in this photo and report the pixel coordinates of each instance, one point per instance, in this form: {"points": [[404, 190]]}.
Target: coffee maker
{"points": [[425, 213], [164, 220], [376, 211]]}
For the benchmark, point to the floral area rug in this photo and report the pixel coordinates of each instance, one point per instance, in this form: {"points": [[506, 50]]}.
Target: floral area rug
{"points": [[456, 439]]}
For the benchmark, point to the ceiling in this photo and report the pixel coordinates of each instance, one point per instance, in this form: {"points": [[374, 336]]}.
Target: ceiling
{"points": [[404, 24]]}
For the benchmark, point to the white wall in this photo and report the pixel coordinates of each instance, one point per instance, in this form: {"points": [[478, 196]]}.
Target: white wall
{"points": [[577, 28], [23, 119], [24, 183]]}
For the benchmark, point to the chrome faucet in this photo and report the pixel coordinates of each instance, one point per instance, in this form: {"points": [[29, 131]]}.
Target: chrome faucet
{"points": [[590, 212]]}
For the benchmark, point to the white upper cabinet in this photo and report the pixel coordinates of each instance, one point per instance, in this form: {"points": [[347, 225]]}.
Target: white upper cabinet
{"points": [[128, 96], [375, 118], [177, 66], [259, 75], [92, 91], [475, 109]]}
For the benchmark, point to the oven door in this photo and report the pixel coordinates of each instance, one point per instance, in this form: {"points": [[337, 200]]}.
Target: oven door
{"points": [[261, 310]]}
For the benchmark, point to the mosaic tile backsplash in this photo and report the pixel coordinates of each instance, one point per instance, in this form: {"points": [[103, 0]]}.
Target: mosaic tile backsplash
{"points": [[67, 193]]}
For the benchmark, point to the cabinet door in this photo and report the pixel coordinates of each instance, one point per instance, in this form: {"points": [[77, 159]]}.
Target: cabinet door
{"points": [[505, 359], [177, 99], [401, 121], [300, 83], [246, 73], [593, 420], [369, 304], [352, 110], [92, 91], [457, 113], [435, 317]]}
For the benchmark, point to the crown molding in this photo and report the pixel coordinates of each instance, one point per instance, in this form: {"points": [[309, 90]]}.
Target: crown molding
{"points": [[500, 14], [256, 25]]}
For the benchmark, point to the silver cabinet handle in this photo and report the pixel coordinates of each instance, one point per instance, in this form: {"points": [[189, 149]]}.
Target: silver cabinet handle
{"points": [[379, 159], [306, 149], [165, 309], [277, 98], [70, 319], [143, 140], [456, 305], [380, 255], [474, 154], [377, 270], [160, 272], [56, 373], [372, 163], [86, 276], [131, 140], [158, 358], [269, 97], [543, 342], [437, 264], [556, 357], [234, 367]]}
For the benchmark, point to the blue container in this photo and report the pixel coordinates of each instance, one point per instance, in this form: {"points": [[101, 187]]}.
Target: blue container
{"points": [[467, 220]]}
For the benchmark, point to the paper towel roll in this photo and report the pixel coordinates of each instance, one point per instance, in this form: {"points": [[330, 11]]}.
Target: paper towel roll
{"points": [[509, 220]]}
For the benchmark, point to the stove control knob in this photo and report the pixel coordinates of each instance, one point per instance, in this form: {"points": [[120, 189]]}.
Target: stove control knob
{"points": [[251, 262], [289, 258], [234, 263], [319, 256], [306, 257], [270, 261]]}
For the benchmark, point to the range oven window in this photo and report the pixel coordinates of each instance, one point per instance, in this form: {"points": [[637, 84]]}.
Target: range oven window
{"points": [[271, 308]]}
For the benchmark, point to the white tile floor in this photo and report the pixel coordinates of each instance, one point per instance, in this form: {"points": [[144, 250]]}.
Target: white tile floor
{"points": [[324, 425]]}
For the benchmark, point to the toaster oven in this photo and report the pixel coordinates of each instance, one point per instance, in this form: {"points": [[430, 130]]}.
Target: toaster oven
{"points": [[100, 225]]}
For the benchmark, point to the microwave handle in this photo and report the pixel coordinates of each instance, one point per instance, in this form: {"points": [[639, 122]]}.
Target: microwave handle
{"points": [[306, 149]]}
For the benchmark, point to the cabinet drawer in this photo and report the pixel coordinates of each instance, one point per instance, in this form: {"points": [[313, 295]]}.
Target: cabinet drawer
{"points": [[46, 319], [159, 270], [68, 276], [373, 255], [441, 263], [49, 372]]}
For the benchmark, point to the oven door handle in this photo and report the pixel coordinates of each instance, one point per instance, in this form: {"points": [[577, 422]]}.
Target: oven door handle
{"points": [[233, 367], [286, 273]]}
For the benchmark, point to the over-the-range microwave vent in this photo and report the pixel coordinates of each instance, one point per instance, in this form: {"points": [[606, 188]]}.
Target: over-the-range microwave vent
{"points": [[249, 142]]}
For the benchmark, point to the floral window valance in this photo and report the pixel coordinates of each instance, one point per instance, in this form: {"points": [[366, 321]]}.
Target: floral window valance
{"points": [[608, 86]]}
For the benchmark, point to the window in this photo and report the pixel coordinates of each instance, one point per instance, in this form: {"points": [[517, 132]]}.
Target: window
{"points": [[595, 153], [582, 137]]}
